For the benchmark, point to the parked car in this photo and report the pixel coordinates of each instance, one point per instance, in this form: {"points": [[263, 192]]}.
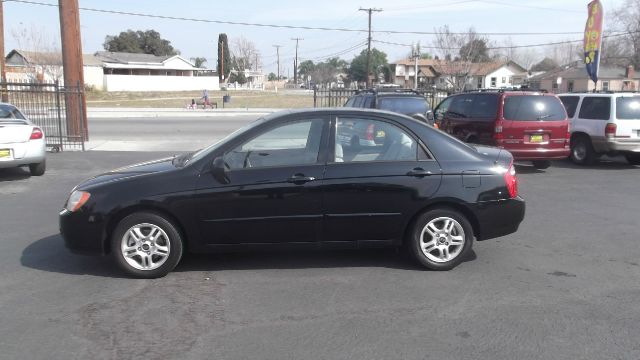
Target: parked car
{"points": [[603, 123], [21, 142], [533, 126], [402, 101], [286, 180]]}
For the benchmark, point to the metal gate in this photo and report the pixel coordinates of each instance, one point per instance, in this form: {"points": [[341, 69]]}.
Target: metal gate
{"points": [[45, 105]]}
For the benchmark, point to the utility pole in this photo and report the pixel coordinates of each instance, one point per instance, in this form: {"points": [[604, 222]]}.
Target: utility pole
{"points": [[295, 62], [76, 107], [369, 10], [3, 71], [278, 55], [221, 59], [416, 57], [256, 62]]}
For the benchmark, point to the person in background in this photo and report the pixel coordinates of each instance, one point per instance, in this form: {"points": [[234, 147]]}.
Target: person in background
{"points": [[205, 98]]}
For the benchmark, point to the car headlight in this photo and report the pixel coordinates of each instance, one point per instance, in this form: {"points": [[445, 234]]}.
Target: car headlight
{"points": [[76, 200]]}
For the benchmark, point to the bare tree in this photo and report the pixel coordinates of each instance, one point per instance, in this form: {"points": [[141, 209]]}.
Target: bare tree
{"points": [[565, 53], [524, 57], [625, 19], [453, 48], [44, 52], [245, 54]]}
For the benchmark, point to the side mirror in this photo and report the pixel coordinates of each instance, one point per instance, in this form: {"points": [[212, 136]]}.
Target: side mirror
{"points": [[430, 116], [218, 170]]}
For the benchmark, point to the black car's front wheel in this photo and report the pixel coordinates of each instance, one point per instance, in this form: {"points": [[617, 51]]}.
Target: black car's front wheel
{"points": [[441, 239], [146, 245]]}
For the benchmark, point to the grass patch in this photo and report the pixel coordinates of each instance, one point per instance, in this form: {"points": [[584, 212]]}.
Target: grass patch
{"points": [[179, 99]]}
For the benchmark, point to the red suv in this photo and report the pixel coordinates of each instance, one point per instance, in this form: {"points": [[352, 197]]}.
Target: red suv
{"points": [[532, 126]]}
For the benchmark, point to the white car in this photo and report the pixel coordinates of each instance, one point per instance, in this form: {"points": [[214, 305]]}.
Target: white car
{"points": [[21, 142], [603, 123]]}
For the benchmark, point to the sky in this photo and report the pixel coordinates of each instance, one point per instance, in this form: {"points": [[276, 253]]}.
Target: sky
{"points": [[199, 39]]}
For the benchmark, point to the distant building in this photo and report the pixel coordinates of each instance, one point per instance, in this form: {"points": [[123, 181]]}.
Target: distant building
{"points": [[574, 78], [111, 71], [444, 74]]}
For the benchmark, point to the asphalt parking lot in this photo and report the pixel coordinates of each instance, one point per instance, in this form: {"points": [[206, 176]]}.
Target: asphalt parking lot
{"points": [[565, 286]]}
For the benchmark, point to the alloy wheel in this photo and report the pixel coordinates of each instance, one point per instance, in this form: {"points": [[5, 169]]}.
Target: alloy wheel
{"points": [[145, 246], [442, 239]]}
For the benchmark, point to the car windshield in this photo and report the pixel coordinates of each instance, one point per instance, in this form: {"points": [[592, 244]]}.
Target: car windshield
{"points": [[628, 108], [197, 155], [404, 105], [533, 108], [9, 113]]}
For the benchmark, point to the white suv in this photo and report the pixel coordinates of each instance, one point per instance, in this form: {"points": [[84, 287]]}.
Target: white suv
{"points": [[603, 123]]}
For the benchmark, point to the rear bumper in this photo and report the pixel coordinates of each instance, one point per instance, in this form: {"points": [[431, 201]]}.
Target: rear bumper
{"points": [[539, 154], [499, 218], [31, 152], [616, 145]]}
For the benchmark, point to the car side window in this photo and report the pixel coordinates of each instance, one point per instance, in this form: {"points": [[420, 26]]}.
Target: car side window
{"points": [[570, 104], [294, 143], [443, 107], [350, 102], [368, 102], [360, 139], [461, 106], [358, 101], [595, 108], [484, 106]]}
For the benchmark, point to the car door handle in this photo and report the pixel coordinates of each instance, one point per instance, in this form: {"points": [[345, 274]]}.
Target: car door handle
{"points": [[419, 172], [300, 179]]}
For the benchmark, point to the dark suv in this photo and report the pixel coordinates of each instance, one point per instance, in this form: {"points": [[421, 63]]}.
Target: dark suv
{"points": [[533, 126], [402, 101]]}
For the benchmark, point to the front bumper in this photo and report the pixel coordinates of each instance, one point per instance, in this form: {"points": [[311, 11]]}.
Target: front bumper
{"points": [[82, 233], [499, 218]]}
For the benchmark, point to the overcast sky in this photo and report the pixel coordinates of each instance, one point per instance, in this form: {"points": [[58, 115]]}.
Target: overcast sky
{"points": [[199, 39]]}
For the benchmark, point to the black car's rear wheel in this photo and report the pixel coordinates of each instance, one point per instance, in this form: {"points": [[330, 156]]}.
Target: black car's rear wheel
{"points": [[146, 245], [441, 239]]}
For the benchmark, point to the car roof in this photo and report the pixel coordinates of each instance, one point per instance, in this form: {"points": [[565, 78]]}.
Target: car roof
{"points": [[602, 94], [335, 111]]}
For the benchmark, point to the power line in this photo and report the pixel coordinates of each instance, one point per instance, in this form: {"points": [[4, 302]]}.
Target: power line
{"points": [[166, 17], [528, 6]]}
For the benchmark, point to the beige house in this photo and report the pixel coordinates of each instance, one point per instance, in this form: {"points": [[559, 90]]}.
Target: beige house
{"points": [[574, 78]]}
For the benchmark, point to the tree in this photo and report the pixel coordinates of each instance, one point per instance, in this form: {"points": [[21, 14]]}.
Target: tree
{"points": [[145, 42], [475, 51], [358, 72], [306, 68], [238, 76], [45, 57], [223, 50], [625, 19], [547, 64], [272, 77], [453, 70], [245, 54], [199, 62]]}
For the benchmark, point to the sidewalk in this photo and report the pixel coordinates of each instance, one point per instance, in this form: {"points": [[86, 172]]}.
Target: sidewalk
{"points": [[96, 112]]}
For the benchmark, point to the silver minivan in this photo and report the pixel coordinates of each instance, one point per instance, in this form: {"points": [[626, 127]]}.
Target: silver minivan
{"points": [[603, 123]]}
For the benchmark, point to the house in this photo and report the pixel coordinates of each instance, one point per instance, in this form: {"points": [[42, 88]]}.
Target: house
{"points": [[573, 77], [147, 72], [444, 74], [111, 71], [32, 66]]}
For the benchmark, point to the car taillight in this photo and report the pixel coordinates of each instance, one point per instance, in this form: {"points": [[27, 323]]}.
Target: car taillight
{"points": [[370, 132], [36, 134], [610, 130], [567, 137], [511, 180], [497, 133]]}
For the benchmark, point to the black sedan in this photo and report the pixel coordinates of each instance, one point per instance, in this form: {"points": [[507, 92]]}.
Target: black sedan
{"points": [[287, 180]]}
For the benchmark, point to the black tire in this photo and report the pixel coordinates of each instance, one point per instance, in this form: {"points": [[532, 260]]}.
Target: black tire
{"points": [[415, 239], [582, 152], [175, 244], [633, 159], [541, 164], [38, 169]]}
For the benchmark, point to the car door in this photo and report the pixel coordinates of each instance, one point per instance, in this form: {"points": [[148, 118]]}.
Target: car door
{"points": [[272, 190], [593, 116], [372, 188], [481, 119], [457, 116]]}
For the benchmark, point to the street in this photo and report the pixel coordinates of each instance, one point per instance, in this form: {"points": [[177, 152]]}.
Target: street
{"points": [[565, 286]]}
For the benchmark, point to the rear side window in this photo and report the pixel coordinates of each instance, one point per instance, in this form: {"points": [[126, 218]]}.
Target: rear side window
{"points": [[9, 112], [350, 102], [403, 105], [628, 107], [484, 106], [595, 108], [461, 106], [570, 104], [368, 101], [533, 108]]}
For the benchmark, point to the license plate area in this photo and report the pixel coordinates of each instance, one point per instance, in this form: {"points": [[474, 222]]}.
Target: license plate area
{"points": [[5, 154], [536, 138]]}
